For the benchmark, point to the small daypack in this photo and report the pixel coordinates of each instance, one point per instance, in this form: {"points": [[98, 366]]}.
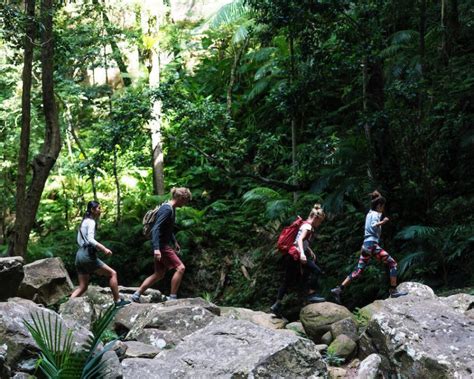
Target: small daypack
{"points": [[288, 235], [149, 220]]}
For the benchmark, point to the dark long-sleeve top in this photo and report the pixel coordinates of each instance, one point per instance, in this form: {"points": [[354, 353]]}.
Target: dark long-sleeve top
{"points": [[162, 231]]}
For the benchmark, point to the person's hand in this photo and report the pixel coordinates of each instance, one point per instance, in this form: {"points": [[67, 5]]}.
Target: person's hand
{"points": [[303, 259], [157, 254], [385, 220], [107, 251], [313, 256]]}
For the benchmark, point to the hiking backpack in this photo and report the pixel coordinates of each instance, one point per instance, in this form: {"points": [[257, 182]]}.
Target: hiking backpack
{"points": [[288, 235], [148, 221]]}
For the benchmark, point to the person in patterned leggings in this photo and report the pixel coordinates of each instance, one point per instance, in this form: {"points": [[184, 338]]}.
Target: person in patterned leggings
{"points": [[371, 248]]}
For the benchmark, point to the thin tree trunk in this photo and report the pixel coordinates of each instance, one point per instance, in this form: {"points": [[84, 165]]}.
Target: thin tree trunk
{"points": [[233, 76], [19, 237], [294, 163], [154, 15], [45, 160], [117, 186]]}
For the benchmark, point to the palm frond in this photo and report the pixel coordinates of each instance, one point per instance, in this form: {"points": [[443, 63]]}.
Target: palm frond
{"points": [[262, 194], [240, 35], [409, 260], [405, 36], [416, 232], [276, 209], [229, 13]]}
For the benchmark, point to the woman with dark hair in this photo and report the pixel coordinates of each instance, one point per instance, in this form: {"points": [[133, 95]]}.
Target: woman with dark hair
{"points": [[371, 248], [87, 261]]}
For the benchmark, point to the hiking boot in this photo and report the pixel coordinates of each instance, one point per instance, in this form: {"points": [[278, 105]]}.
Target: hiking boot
{"points": [[122, 303], [336, 293], [136, 297], [395, 293], [313, 298], [276, 309]]}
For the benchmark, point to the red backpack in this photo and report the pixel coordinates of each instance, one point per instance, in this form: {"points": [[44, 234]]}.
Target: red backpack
{"points": [[288, 235]]}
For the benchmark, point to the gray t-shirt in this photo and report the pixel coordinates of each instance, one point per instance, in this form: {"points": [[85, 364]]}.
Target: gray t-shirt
{"points": [[372, 232], [86, 236]]}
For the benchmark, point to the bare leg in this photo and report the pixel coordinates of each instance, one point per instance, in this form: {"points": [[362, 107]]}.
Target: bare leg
{"points": [[83, 284], [152, 279], [176, 279], [113, 282]]}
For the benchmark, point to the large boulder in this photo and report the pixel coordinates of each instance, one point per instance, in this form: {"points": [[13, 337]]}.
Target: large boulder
{"points": [[11, 275], [266, 320], [232, 348], [420, 336], [369, 367], [137, 349], [46, 281], [318, 318], [342, 346], [80, 310], [163, 325], [15, 338], [345, 326]]}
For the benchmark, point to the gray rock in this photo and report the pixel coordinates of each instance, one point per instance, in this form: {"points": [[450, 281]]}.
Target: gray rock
{"points": [[140, 350], [345, 326], [175, 319], [161, 339], [11, 275], [461, 302], [120, 348], [232, 348], [80, 310], [113, 368], [297, 327], [327, 338], [417, 290], [342, 346], [369, 367], [317, 318], [46, 281], [266, 320], [4, 368], [419, 336], [16, 339], [336, 373], [23, 375]]}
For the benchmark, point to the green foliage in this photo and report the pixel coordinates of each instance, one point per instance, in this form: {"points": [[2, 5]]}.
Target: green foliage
{"points": [[332, 359], [57, 359]]}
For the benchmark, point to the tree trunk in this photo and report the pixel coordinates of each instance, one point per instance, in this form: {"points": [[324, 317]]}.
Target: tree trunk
{"points": [[233, 76], [19, 235], [154, 15], [45, 160], [294, 163], [117, 186]]}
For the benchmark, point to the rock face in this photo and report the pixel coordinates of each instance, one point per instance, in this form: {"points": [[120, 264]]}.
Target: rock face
{"points": [[421, 336], [163, 325], [80, 310], [232, 348], [345, 326], [342, 346], [260, 318], [317, 318], [11, 275], [46, 281], [369, 367], [16, 340]]}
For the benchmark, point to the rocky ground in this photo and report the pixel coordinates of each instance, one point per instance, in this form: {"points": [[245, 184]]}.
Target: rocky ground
{"points": [[417, 336]]}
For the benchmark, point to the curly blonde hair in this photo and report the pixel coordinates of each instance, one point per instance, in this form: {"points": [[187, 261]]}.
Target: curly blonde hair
{"points": [[317, 212], [181, 193]]}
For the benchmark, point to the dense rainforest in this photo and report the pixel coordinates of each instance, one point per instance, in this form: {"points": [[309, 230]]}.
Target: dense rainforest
{"points": [[262, 108]]}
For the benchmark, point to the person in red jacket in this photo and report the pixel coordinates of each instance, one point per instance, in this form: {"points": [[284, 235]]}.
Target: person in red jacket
{"points": [[300, 261]]}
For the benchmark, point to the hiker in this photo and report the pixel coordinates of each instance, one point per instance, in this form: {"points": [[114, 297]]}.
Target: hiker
{"points": [[165, 257], [87, 262], [299, 259], [371, 248]]}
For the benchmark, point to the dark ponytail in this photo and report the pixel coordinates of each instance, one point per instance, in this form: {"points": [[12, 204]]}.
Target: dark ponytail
{"points": [[376, 200], [90, 206]]}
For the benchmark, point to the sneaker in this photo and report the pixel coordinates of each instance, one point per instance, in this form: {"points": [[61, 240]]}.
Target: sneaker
{"points": [[395, 293], [313, 298], [122, 303], [336, 293], [276, 309], [136, 297], [169, 298]]}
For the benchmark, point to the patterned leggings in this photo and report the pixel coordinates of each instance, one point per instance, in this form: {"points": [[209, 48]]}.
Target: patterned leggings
{"points": [[372, 249]]}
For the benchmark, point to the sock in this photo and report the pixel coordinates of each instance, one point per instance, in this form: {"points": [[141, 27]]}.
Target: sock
{"points": [[173, 296]]}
